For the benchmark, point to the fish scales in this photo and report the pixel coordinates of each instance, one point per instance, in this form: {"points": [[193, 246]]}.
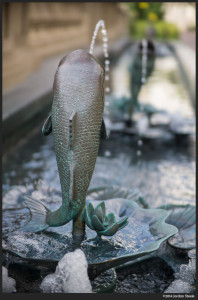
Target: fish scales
{"points": [[75, 121], [83, 94]]}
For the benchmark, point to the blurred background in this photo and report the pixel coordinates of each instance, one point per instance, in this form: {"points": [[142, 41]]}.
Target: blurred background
{"points": [[34, 31], [37, 35]]}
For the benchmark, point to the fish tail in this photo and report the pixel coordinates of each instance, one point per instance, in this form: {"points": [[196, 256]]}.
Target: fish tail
{"points": [[38, 212]]}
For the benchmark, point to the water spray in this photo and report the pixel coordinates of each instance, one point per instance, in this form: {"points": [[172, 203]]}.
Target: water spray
{"points": [[144, 60], [101, 24]]}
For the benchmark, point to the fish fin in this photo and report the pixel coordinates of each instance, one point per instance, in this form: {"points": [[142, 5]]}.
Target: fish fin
{"points": [[38, 212], [103, 131], [71, 186], [47, 126], [72, 126]]}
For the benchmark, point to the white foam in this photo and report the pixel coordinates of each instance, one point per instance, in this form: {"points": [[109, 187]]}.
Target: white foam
{"points": [[185, 279], [70, 275], [179, 286], [8, 283], [187, 272]]}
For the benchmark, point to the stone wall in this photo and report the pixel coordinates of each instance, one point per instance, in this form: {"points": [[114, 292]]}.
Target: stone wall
{"points": [[36, 30]]}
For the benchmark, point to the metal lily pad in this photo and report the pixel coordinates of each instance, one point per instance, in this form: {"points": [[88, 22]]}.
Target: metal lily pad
{"points": [[184, 218], [144, 234], [114, 191]]}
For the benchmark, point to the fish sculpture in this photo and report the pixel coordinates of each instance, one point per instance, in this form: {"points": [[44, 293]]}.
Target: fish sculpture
{"points": [[76, 122], [140, 70]]}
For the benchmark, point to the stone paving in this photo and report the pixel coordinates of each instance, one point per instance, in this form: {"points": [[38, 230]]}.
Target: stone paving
{"points": [[185, 50]]}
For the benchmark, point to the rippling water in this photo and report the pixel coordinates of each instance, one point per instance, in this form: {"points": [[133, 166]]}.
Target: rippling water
{"points": [[164, 174]]}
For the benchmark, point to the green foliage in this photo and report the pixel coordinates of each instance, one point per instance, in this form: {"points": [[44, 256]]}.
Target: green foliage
{"points": [[166, 30], [152, 11], [162, 29], [150, 14]]}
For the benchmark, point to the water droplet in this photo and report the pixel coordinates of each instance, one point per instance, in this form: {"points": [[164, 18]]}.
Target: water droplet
{"points": [[107, 153], [144, 57], [140, 142], [105, 51], [107, 62], [144, 60], [139, 153], [105, 47], [12, 173], [107, 68], [107, 89], [107, 77]]}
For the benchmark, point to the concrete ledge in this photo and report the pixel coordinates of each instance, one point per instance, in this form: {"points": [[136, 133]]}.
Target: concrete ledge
{"points": [[186, 59], [28, 103]]}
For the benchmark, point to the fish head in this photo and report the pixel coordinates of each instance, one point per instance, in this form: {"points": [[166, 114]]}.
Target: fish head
{"points": [[83, 69]]}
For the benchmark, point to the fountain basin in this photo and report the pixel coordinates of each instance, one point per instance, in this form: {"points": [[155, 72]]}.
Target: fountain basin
{"points": [[144, 234]]}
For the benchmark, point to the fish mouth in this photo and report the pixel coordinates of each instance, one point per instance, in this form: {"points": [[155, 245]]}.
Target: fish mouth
{"points": [[76, 56], [80, 56]]}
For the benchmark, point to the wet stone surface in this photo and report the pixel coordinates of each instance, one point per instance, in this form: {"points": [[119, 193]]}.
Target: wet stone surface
{"points": [[27, 280], [152, 276]]}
